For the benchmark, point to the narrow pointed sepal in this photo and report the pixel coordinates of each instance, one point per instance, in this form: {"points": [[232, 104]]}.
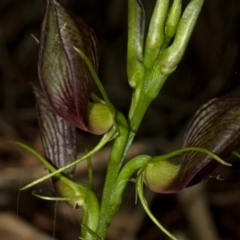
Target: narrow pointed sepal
{"points": [[73, 192], [58, 136], [64, 76]]}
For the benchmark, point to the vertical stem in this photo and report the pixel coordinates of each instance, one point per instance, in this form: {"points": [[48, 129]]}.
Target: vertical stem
{"points": [[90, 214], [118, 153], [115, 162]]}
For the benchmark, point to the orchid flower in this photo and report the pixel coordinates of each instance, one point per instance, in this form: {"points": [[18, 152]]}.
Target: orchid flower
{"points": [[215, 127], [65, 78]]}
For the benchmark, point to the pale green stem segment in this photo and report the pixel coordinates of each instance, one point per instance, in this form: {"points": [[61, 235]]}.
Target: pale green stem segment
{"points": [[90, 216], [90, 173], [114, 165], [93, 234], [127, 171], [146, 208], [118, 184]]}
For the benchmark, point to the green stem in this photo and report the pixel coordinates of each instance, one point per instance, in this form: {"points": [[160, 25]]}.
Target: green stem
{"points": [[128, 170], [139, 106], [90, 216], [115, 199], [114, 165], [147, 88]]}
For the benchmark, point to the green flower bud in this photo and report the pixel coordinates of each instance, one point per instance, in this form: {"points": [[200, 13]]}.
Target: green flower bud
{"points": [[136, 28]]}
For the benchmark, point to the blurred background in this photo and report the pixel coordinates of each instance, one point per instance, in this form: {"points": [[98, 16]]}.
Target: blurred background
{"points": [[210, 67]]}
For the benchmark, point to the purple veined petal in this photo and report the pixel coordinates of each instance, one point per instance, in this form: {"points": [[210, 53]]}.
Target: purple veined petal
{"points": [[58, 136], [216, 127], [65, 79]]}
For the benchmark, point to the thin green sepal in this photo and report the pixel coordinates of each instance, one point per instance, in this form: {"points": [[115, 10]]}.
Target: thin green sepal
{"points": [[189, 149], [91, 232], [107, 137], [54, 198], [143, 201], [96, 79]]}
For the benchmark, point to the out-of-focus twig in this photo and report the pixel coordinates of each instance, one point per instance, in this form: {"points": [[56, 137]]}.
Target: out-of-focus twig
{"points": [[195, 203]]}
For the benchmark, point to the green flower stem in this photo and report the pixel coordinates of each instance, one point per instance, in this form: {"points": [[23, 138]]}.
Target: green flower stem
{"points": [[128, 170], [90, 216], [146, 208], [118, 153], [114, 165], [111, 204], [140, 103]]}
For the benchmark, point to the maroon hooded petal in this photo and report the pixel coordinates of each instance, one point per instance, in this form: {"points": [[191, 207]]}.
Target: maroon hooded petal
{"points": [[216, 127], [65, 79], [58, 136]]}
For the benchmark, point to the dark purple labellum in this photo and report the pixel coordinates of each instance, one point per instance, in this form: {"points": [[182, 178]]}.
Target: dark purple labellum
{"points": [[58, 136], [64, 76]]}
